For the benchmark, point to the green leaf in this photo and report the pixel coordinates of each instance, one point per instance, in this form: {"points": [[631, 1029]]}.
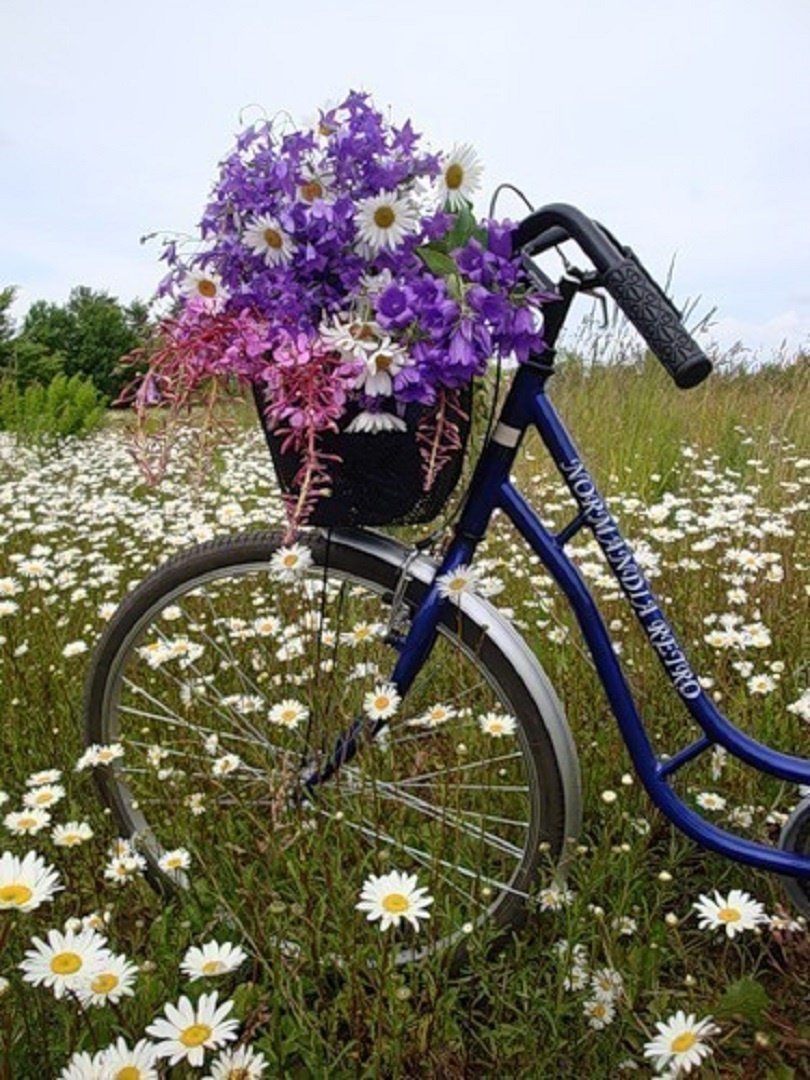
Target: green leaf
{"points": [[463, 228], [437, 262], [746, 997]]}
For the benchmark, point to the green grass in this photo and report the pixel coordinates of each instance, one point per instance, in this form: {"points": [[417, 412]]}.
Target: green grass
{"points": [[507, 1012]]}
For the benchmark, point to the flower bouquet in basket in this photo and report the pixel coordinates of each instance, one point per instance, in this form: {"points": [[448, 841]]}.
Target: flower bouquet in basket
{"points": [[342, 274]]}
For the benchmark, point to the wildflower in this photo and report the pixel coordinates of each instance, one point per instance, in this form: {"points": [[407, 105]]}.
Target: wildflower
{"points": [[74, 648], [46, 776], [288, 714], [203, 286], [383, 221], [679, 1043], [435, 716], [110, 983], [607, 983], [120, 1062], [801, 706], [66, 961], [381, 702], [187, 1031], [27, 822], [244, 1063], [600, 1012], [172, 861], [709, 800], [99, 755], [554, 897], [26, 883], [761, 684], [497, 724], [735, 913], [392, 897], [455, 583], [213, 958], [83, 1066], [460, 176], [44, 796], [71, 834], [226, 764], [265, 237], [288, 563]]}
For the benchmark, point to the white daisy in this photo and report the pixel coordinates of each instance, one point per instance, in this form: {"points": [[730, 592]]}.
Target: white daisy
{"points": [[381, 702], [710, 800], [205, 286], [71, 834], [288, 713], [26, 883], [379, 367], [264, 236], [383, 221], [120, 1062], [678, 1045], [47, 776], [497, 724], [607, 983], [554, 897], [44, 796], [393, 897], [83, 1066], [213, 958], [66, 961], [171, 861], [226, 764], [371, 423], [354, 338], [455, 583], [267, 625], [110, 983], [435, 716], [122, 868], [460, 176], [187, 1031], [244, 1063], [737, 912], [27, 822], [600, 1012], [288, 563]]}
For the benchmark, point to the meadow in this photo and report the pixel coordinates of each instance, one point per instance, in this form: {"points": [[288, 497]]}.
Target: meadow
{"points": [[712, 489]]}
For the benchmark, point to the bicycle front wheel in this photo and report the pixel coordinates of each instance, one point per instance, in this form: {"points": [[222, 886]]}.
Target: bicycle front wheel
{"points": [[228, 676]]}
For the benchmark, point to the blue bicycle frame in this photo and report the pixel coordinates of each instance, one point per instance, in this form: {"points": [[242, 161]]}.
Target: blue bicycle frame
{"points": [[491, 488]]}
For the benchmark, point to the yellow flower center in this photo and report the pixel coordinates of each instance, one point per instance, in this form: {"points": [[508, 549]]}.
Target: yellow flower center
{"points": [[384, 217], [395, 903], [311, 191], [129, 1072], [729, 914], [288, 716], [361, 332], [383, 362], [290, 560], [683, 1042], [239, 1072], [43, 798], [174, 862], [496, 727], [207, 288], [454, 176], [212, 967], [195, 1035], [71, 839], [382, 702], [272, 237], [456, 584], [15, 895], [27, 823], [66, 963], [104, 983]]}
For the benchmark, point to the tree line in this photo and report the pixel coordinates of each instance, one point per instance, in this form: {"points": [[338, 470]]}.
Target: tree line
{"points": [[87, 336]]}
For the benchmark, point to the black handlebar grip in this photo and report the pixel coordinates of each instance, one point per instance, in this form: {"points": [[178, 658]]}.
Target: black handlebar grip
{"points": [[658, 321]]}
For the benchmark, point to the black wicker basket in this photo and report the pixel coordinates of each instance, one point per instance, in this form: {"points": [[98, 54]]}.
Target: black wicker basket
{"points": [[379, 478]]}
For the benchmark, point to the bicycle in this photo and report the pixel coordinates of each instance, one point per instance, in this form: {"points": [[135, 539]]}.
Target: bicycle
{"points": [[459, 765]]}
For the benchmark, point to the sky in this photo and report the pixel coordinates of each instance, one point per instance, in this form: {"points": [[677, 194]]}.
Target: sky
{"points": [[683, 127]]}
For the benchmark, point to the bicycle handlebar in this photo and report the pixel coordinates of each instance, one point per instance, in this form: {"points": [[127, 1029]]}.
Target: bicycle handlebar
{"points": [[641, 299]]}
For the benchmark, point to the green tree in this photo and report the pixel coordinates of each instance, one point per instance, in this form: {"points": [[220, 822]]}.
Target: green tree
{"points": [[91, 333], [7, 297]]}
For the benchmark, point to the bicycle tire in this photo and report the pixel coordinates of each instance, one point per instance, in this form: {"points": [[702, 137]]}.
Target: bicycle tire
{"points": [[371, 562], [795, 837]]}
